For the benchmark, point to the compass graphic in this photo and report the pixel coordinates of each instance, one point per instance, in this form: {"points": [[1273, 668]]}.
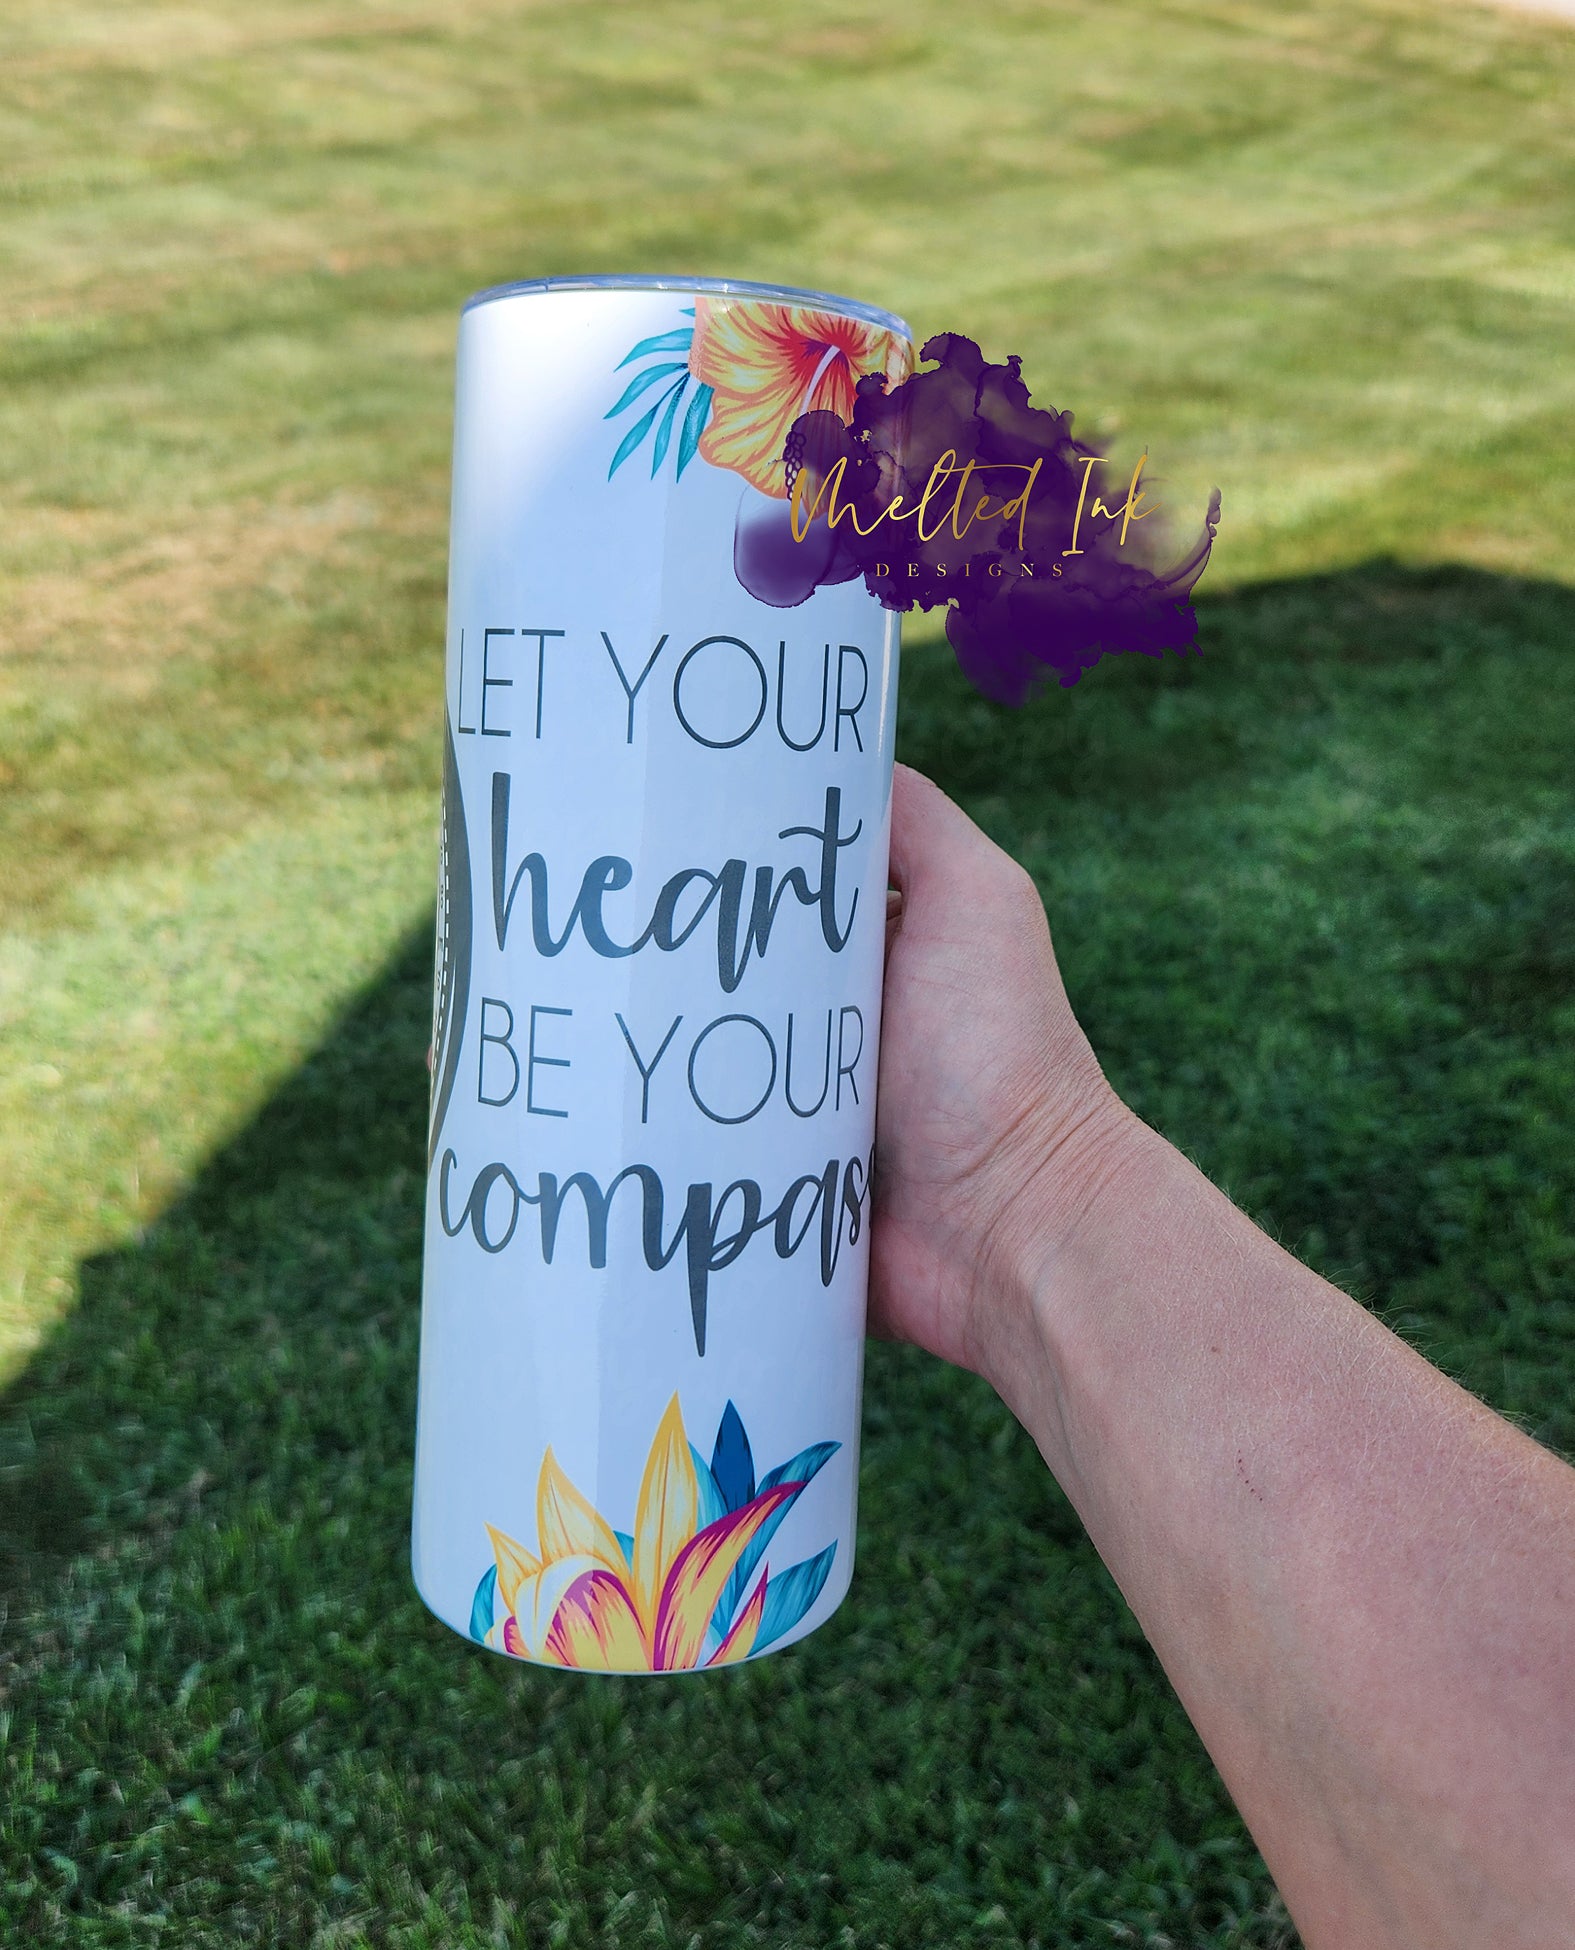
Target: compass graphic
{"points": [[451, 982]]}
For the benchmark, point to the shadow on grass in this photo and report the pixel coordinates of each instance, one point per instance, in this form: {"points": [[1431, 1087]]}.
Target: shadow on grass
{"points": [[1315, 893]]}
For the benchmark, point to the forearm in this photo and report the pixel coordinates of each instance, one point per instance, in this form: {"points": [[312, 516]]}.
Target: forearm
{"points": [[1358, 1578]]}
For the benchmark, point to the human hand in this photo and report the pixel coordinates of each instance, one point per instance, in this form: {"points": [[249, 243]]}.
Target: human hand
{"points": [[995, 1125]]}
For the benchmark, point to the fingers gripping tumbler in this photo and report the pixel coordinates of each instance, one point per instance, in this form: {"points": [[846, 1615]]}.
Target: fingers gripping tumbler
{"points": [[660, 935]]}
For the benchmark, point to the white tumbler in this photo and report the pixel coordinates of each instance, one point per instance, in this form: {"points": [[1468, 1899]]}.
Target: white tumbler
{"points": [[660, 935]]}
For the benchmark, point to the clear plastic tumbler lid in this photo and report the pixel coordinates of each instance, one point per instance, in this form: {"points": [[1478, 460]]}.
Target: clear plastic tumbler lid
{"points": [[776, 294]]}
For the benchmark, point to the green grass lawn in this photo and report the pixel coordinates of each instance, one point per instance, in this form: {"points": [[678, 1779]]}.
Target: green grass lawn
{"points": [[1314, 893]]}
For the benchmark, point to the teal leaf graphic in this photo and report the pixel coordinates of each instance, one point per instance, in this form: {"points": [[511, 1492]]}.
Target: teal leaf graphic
{"points": [[679, 341], [732, 1464], [664, 432], [712, 1504], [744, 1571], [632, 439], [481, 1605], [790, 1595], [807, 1463], [694, 425], [641, 383]]}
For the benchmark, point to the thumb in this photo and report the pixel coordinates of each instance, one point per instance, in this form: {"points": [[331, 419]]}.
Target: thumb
{"points": [[931, 837]]}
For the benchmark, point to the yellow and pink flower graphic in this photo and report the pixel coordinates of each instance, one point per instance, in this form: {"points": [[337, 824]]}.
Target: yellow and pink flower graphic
{"points": [[687, 1587]]}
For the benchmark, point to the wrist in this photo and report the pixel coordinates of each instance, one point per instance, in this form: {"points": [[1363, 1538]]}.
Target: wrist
{"points": [[1082, 1188]]}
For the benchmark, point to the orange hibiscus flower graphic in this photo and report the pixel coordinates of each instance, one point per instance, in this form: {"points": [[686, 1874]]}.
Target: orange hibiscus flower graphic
{"points": [[767, 364]]}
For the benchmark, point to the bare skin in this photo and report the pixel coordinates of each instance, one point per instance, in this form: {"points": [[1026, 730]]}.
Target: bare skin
{"points": [[1360, 1580]]}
